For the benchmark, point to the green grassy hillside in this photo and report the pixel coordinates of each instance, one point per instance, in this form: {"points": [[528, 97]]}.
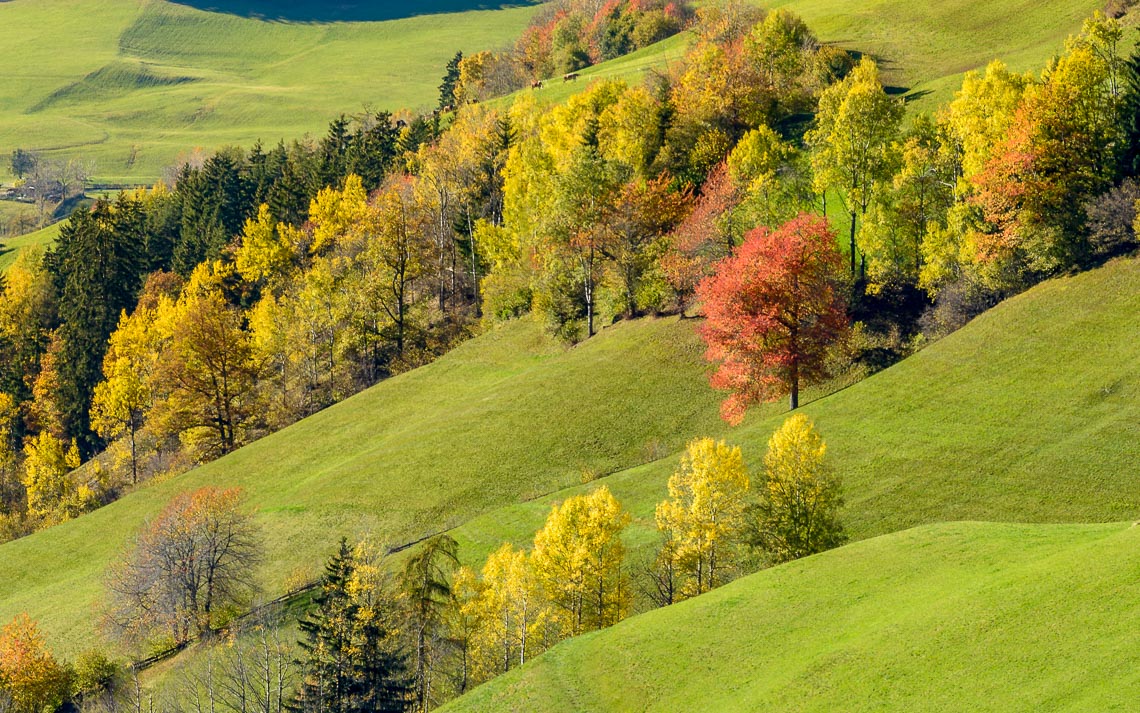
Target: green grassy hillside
{"points": [[952, 617], [1030, 413], [507, 417], [923, 47], [10, 248], [131, 84]]}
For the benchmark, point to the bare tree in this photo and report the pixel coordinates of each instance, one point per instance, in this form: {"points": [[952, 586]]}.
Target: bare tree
{"points": [[188, 563]]}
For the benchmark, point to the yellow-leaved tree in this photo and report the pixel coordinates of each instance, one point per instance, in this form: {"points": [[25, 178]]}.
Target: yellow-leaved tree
{"points": [[703, 520], [800, 499], [578, 557], [502, 619], [52, 496], [123, 397]]}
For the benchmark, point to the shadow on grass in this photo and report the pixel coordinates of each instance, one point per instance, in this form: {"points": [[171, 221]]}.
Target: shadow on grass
{"points": [[344, 10]]}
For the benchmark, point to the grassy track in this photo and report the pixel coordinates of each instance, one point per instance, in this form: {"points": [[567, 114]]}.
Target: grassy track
{"points": [[950, 617]]}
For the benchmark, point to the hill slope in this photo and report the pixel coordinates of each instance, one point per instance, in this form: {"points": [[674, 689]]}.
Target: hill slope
{"points": [[922, 47], [506, 417], [953, 617], [132, 84], [1030, 413]]}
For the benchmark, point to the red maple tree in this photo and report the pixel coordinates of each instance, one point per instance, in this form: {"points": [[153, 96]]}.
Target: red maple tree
{"points": [[773, 309]]}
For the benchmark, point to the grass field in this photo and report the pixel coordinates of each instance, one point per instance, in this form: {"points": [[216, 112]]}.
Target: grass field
{"points": [[132, 84], [10, 248], [949, 617]]}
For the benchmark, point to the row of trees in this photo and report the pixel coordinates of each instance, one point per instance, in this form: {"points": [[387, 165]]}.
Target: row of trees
{"points": [[380, 637]]}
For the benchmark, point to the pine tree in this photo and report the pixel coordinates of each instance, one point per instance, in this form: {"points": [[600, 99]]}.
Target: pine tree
{"points": [[450, 80], [348, 661]]}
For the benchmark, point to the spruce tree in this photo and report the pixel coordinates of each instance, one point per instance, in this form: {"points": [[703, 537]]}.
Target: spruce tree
{"points": [[348, 662], [450, 81]]}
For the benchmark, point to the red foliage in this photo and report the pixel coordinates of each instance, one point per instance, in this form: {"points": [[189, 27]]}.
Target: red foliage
{"points": [[699, 242], [774, 308]]}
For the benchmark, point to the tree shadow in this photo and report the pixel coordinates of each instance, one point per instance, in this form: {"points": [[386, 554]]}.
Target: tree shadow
{"points": [[343, 10]]}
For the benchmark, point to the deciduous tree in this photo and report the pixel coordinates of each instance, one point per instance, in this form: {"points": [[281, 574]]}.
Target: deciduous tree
{"points": [[703, 518], [774, 309], [578, 558], [190, 562], [854, 141], [800, 498], [30, 676]]}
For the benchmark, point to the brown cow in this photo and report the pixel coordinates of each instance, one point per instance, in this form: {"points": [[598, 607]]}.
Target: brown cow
{"points": [[572, 76], [536, 85]]}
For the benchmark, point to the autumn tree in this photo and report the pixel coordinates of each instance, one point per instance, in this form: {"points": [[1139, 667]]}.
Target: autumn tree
{"points": [[125, 394], [703, 518], [192, 561], [30, 677], [53, 494], [853, 141], [705, 236], [1059, 152], [774, 309], [209, 367], [578, 557], [642, 213], [906, 210], [800, 498], [503, 617]]}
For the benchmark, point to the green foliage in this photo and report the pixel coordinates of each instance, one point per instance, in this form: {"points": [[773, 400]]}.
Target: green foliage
{"points": [[350, 661]]}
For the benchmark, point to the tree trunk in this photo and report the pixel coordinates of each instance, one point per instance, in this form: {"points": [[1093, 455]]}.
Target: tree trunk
{"points": [[854, 215]]}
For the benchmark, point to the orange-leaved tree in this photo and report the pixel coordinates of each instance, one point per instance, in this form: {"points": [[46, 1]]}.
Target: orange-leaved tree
{"points": [[30, 677], [774, 309], [193, 560]]}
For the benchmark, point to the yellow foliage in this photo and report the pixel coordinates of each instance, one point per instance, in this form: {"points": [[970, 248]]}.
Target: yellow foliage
{"points": [[264, 252], [333, 212], [800, 499], [578, 557], [52, 496], [703, 519]]}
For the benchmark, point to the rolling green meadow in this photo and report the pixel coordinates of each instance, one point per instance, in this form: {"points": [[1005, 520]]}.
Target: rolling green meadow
{"points": [[141, 83], [990, 479]]}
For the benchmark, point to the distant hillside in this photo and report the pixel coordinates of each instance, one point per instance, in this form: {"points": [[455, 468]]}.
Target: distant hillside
{"points": [[952, 617], [133, 85], [922, 47]]}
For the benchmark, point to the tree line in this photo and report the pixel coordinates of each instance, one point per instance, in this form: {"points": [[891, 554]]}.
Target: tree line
{"points": [[408, 636]]}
